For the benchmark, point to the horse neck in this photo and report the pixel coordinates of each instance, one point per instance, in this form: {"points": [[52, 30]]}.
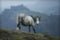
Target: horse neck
{"points": [[34, 19]]}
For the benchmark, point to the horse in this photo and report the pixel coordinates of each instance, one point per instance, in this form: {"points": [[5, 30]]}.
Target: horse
{"points": [[27, 20]]}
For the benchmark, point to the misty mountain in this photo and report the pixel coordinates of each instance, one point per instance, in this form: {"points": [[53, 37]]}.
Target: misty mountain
{"points": [[46, 25], [9, 15], [53, 24], [0, 20]]}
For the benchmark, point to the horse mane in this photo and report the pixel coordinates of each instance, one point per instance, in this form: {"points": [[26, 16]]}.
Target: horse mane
{"points": [[34, 18]]}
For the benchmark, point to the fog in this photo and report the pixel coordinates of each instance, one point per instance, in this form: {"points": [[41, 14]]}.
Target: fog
{"points": [[43, 6]]}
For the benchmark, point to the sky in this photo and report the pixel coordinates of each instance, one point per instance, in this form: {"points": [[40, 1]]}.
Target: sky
{"points": [[43, 6]]}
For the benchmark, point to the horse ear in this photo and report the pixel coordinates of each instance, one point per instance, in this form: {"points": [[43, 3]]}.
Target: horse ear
{"points": [[39, 17], [31, 15]]}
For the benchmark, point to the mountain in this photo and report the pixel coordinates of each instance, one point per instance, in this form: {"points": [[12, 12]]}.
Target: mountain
{"points": [[8, 20], [53, 24], [9, 15]]}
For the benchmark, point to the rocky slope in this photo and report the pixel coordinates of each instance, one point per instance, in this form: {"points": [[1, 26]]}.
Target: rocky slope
{"points": [[19, 35]]}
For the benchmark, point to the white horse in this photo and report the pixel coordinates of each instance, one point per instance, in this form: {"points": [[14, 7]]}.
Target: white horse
{"points": [[27, 20]]}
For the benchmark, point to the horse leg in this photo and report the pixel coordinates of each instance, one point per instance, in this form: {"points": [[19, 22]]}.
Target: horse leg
{"points": [[29, 28], [18, 26], [34, 29]]}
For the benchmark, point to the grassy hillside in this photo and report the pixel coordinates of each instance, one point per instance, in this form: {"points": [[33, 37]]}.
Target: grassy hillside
{"points": [[19, 35]]}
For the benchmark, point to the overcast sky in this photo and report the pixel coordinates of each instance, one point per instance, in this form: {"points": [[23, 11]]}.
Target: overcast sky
{"points": [[44, 6]]}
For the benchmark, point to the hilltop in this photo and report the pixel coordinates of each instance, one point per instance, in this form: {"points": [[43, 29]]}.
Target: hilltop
{"points": [[19, 35]]}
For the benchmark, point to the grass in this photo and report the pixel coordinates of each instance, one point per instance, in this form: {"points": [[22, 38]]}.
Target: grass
{"points": [[19, 35]]}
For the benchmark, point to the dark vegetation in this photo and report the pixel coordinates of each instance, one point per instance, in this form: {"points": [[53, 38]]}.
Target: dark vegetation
{"points": [[19, 35]]}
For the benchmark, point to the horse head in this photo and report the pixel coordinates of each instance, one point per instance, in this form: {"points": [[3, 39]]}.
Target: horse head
{"points": [[36, 19]]}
